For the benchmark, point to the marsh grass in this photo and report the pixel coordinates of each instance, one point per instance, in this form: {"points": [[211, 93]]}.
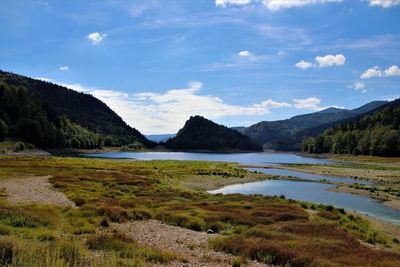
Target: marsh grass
{"points": [[273, 230]]}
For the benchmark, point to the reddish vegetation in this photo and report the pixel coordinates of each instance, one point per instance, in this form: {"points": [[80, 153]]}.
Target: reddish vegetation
{"points": [[267, 229]]}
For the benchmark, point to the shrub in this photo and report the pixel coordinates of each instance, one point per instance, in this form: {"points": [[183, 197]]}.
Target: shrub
{"points": [[4, 230], [104, 223], [6, 252], [329, 208], [46, 236], [20, 146], [195, 225], [79, 201], [69, 252], [139, 214]]}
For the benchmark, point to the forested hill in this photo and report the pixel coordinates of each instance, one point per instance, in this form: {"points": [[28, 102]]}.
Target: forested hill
{"points": [[288, 134], [200, 133], [57, 101], [377, 133]]}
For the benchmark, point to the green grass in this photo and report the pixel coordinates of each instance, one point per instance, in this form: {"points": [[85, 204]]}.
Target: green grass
{"points": [[269, 229]]}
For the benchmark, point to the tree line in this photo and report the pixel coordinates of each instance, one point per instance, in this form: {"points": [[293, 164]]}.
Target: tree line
{"points": [[376, 134], [26, 118]]}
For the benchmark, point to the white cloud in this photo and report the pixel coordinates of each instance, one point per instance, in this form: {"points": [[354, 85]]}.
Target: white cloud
{"points": [[74, 86], [377, 72], [392, 71], [372, 72], [330, 60], [64, 68], [304, 64], [275, 5], [311, 103], [244, 54], [384, 3], [167, 112], [96, 37], [224, 3], [359, 85]]}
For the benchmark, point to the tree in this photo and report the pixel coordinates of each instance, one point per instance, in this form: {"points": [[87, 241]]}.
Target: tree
{"points": [[3, 130]]}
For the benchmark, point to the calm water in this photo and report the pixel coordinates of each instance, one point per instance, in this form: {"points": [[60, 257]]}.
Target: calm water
{"points": [[304, 191], [315, 192], [264, 158], [308, 176]]}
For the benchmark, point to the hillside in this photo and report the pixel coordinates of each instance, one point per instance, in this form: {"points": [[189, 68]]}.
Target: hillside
{"points": [[200, 133], [288, 134], [82, 109], [373, 134]]}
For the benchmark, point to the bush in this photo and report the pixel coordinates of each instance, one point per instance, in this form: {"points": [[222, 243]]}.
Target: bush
{"points": [[6, 252], [4, 230], [79, 201], [20, 146], [195, 225]]}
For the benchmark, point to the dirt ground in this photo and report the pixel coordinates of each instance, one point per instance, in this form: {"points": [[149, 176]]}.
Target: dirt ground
{"points": [[33, 189], [191, 245]]}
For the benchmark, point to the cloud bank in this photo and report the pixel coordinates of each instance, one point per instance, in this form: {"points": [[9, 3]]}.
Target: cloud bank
{"points": [[166, 112]]}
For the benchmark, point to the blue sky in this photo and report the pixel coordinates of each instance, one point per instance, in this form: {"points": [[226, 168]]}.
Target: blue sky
{"points": [[237, 62]]}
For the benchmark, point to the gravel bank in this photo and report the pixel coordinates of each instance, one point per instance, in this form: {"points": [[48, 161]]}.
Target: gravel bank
{"points": [[191, 245], [33, 189]]}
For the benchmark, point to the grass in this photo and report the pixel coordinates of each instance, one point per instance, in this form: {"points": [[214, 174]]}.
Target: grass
{"points": [[269, 229]]}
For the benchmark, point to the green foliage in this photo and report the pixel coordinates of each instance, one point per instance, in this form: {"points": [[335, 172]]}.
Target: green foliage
{"points": [[200, 133], [376, 134], [48, 115], [268, 229], [19, 146], [3, 130], [288, 134]]}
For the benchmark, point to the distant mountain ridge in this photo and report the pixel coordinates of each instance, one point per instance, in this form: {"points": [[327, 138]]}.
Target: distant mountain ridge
{"points": [[159, 137], [80, 108], [199, 133], [287, 134]]}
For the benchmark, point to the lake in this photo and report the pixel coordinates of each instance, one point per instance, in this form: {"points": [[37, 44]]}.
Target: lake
{"points": [[315, 192], [297, 190], [262, 158], [308, 176]]}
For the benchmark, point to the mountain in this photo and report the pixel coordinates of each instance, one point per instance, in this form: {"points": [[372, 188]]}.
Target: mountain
{"points": [[238, 128], [331, 110], [81, 109], [200, 133], [375, 133], [159, 137], [288, 134]]}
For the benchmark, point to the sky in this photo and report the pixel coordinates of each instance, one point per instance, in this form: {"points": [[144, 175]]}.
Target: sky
{"points": [[237, 62]]}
